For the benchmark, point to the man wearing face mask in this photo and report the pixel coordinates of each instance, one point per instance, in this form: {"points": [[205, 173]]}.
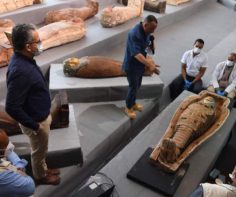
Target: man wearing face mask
{"points": [[139, 42], [13, 179], [194, 64], [224, 78], [28, 99]]}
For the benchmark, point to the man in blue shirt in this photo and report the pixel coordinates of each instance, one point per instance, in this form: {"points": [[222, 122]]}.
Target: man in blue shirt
{"points": [[28, 100], [136, 60], [14, 182]]}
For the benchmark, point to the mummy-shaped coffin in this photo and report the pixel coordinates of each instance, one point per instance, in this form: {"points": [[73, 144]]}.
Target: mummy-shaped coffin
{"points": [[176, 2], [96, 67], [10, 5], [196, 119], [84, 13], [113, 16], [158, 6], [6, 50], [61, 32]]}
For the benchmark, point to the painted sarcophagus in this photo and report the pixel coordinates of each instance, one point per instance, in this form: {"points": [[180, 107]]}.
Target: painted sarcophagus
{"points": [[84, 13], [176, 2], [196, 120], [59, 111], [10, 5], [158, 6], [96, 67], [61, 32], [113, 16], [6, 50]]}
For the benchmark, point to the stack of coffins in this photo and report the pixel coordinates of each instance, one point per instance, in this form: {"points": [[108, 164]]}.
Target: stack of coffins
{"points": [[158, 6], [59, 111], [113, 16], [176, 2], [10, 5], [6, 51], [83, 13]]}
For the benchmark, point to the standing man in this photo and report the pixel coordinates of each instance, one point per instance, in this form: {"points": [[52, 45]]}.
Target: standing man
{"points": [[136, 60], [28, 99], [13, 179], [224, 78], [194, 64]]}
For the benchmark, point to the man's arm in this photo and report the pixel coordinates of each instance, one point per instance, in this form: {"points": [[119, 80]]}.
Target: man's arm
{"points": [[16, 161], [200, 74], [17, 90], [183, 71]]}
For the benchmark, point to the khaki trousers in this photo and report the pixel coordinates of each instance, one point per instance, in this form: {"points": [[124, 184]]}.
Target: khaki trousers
{"points": [[39, 147], [230, 95]]}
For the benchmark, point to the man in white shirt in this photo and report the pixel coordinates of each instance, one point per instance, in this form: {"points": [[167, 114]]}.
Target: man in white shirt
{"points": [[224, 78], [194, 64]]}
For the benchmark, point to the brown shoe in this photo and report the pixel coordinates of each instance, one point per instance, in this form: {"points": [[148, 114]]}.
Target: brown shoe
{"points": [[54, 171], [49, 180], [130, 113], [137, 107]]}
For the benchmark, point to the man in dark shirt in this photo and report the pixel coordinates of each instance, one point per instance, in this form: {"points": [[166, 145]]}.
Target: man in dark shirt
{"points": [[28, 99], [136, 60]]}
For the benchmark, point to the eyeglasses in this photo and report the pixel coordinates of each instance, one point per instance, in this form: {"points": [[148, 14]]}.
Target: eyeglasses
{"points": [[36, 42]]}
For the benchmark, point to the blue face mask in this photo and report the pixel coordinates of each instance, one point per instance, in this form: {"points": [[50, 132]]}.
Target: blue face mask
{"points": [[10, 147]]}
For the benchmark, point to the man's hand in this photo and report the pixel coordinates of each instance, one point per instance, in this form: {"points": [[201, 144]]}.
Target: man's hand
{"points": [[157, 70], [187, 84]]}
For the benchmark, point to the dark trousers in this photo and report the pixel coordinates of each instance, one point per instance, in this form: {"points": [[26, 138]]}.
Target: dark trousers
{"points": [[135, 81], [198, 192], [177, 86]]}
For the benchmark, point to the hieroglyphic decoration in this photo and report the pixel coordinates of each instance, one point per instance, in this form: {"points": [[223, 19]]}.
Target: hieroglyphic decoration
{"points": [[158, 6], [96, 67], [62, 32], [196, 119], [10, 5], [113, 16], [90, 10], [176, 2], [6, 50]]}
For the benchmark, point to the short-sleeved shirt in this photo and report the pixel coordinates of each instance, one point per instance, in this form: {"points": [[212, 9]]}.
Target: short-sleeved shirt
{"points": [[193, 64], [137, 42]]}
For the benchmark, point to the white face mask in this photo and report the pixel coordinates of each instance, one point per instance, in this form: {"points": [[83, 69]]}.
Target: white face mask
{"points": [[10, 147], [229, 63], [196, 50], [39, 49]]}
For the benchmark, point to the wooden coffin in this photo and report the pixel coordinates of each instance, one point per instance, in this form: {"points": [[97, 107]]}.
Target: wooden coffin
{"points": [[6, 50], [10, 5], [176, 2], [221, 114], [84, 13], [95, 67], [61, 32], [59, 111], [113, 16], [158, 6]]}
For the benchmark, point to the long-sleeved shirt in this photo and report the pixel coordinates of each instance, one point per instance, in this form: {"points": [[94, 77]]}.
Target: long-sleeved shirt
{"points": [[14, 184], [137, 42], [28, 98], [218, 74]]}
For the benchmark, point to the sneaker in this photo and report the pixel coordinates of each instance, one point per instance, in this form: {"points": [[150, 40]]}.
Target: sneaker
{"points": [[137, 107], [48, 180], [54, 171], [130, 113]]}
